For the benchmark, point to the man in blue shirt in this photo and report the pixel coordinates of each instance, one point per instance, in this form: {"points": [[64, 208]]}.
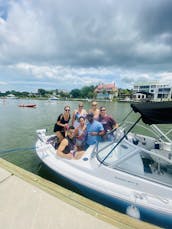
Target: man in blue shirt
{"points": [[94, 130]]}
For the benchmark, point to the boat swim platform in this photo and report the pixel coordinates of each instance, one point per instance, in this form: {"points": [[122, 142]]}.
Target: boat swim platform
{"points": [[31, 202]]}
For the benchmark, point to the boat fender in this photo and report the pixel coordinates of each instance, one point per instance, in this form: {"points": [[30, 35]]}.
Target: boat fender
{"points": [[133, 211]]}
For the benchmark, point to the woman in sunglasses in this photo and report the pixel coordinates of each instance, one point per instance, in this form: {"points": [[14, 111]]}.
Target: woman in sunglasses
{"points": [[62, 125], [77, 114]]}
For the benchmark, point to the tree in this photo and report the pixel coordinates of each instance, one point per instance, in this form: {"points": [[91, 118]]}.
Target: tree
{"points": [[41, 92], [87, 91], [124, 92], [75, 93]]}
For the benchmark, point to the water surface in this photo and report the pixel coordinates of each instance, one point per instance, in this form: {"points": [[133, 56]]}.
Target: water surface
{"points": [[19, 125]]}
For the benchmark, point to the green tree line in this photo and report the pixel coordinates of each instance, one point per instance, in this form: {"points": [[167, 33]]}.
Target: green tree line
{"points": [[84, 92]]}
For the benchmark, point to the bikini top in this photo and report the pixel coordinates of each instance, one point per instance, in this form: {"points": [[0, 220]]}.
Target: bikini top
{"points": [[70, 146]]}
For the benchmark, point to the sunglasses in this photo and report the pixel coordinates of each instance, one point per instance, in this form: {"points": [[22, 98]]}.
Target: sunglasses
{"points": [[103, 110], [67, 109], [80, 106]]}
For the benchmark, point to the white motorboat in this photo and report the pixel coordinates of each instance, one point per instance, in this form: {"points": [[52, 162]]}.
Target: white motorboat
{"points": [[53, 98], [132, 174]]}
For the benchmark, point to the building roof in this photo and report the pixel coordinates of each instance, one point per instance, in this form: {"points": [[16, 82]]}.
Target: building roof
{"points": [[149, 83], [110, 86]]}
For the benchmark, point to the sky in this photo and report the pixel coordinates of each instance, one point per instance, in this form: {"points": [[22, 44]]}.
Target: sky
{"points": [[60, 44]]}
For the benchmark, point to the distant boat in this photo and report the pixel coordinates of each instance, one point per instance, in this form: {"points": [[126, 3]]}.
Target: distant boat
{"points": [[11, 96], [53, 98], [27, 105], [126, 99]]}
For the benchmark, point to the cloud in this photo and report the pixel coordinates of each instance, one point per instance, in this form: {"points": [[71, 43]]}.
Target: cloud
{"points": [[78, 76], [167, 77], [85, 41], [3, 83]]}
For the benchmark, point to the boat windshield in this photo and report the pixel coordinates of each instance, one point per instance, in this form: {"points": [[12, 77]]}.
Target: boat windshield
{"points": [[154, 165], [115, 153]]}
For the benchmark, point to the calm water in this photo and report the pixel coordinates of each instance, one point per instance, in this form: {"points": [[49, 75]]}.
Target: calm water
{"points": [[19, 125]]}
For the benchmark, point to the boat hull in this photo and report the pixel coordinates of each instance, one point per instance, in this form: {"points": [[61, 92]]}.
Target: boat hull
{"points": [[28, 105], [148, 215], [145, 214], [132, 173]]}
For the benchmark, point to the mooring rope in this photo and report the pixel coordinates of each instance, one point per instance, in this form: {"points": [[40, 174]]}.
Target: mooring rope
{"points": [[6, 151]]}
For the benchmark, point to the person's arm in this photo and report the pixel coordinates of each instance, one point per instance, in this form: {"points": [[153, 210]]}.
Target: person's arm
{"points": [[59, 120], [114, 124], [61, 147], [73, 118], [76, 132], [101, 133]]}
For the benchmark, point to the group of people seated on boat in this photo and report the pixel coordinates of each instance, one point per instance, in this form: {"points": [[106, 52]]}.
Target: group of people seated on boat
{"points": [[86, 129]]}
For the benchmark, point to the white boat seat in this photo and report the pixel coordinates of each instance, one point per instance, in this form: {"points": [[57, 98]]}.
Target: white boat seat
{"points": [[167, 146], [164, 157]]}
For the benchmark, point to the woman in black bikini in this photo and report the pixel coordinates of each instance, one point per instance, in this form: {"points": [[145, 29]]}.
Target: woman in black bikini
{"points": [[67, 148], [61, 125]]}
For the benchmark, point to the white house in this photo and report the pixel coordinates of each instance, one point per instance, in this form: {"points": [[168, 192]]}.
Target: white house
{"points": [[157, 90]]}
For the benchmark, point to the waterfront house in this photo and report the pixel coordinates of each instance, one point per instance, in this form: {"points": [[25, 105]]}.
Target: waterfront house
{"points": [[106, 91], [152, 90]]}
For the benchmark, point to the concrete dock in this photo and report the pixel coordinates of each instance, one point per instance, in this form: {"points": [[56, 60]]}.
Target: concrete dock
{"points": [[28, 201]]}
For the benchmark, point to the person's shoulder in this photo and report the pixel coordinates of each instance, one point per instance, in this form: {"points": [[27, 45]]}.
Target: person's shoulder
{"points": [[84, 111], [60, 116], [99, 125], [65, 141], [109, 116], [75, 111], [97, 122]]}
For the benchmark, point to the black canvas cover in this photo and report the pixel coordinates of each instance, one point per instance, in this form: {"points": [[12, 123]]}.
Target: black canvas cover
{"points": [[154, 112]]}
